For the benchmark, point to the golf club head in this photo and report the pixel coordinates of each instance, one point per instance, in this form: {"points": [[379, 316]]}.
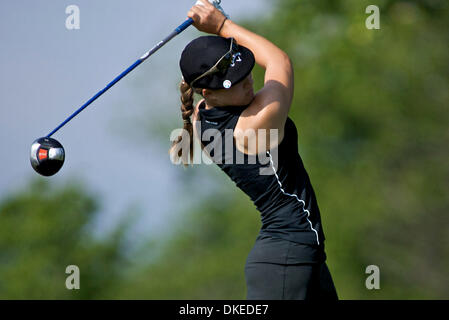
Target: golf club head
{"points": [[47, 156]]}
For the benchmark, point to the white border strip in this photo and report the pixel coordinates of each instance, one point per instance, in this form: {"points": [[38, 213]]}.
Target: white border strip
{"points": [[295, 196]]}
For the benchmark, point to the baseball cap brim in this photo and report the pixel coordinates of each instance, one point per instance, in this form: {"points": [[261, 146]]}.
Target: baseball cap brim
{"points": [[242, 66]]}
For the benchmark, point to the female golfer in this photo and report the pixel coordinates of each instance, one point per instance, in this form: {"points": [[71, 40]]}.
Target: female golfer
{"points": [[288, 258]]}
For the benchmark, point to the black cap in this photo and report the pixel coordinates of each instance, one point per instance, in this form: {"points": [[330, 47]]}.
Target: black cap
{"points": [[202, 53]]}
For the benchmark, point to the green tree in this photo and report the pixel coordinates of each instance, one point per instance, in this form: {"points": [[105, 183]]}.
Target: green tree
{"points": [[371, 107], [204, 257], [46, 228]]}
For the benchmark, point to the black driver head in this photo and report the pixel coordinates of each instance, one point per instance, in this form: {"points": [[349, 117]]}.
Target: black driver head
{"points": [[47, 156]]}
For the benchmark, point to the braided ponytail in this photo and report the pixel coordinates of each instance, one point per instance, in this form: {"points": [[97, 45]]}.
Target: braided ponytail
{"points": [[187, 111]]}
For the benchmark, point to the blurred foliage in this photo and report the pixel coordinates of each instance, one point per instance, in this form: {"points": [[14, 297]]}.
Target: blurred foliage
{"points": [[205, 257], [45, 229], [371, 107]]}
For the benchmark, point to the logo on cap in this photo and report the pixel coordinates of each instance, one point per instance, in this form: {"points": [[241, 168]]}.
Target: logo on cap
{"points": [[236, 57], [227, 84]]}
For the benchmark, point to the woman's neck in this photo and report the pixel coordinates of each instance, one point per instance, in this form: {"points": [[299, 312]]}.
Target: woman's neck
{"points": [[208, 106]]}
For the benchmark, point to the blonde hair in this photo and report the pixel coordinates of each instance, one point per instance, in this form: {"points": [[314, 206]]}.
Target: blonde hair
{"points": [[186, 112]]}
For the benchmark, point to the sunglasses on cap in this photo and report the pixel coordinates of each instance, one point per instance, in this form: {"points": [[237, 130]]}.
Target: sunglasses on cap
{"points": [[222, 64]]}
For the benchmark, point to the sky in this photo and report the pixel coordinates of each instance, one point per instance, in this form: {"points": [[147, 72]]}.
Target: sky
{"points": [[116, 145]]}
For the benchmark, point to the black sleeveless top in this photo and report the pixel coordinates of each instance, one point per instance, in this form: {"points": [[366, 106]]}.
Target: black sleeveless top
{"points": [[283, 194]]}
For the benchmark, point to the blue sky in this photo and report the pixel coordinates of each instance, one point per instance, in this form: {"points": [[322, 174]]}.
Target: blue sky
{"points": [[48, 72]]}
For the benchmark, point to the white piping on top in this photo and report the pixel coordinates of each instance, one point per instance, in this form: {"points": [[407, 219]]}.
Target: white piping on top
{"points": [[295, 196]]}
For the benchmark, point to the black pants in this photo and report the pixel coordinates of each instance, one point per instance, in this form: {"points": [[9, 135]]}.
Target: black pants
{"points": [[270, 281], [277, 269]]}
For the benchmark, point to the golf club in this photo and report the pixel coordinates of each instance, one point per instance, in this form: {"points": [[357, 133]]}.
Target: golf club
{"points": [[47, 154]]}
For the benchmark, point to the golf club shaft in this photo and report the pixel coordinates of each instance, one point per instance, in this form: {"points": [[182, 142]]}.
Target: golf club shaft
{"points": [[177, 31]]}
